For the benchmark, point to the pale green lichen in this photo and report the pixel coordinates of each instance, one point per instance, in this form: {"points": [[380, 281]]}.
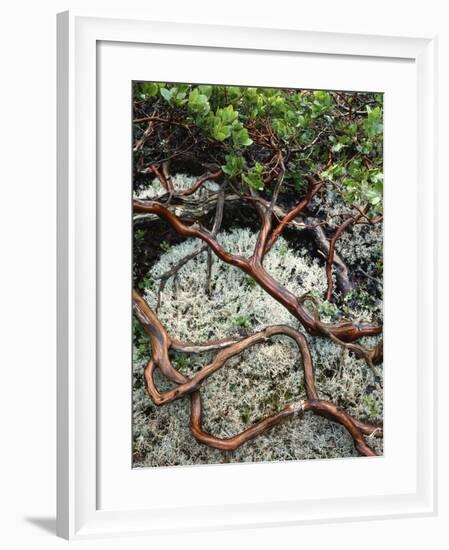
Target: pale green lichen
{"points": [[181, 182]]}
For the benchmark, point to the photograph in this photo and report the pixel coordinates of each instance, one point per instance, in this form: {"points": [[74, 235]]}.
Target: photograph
{"points": [[257, 274]]}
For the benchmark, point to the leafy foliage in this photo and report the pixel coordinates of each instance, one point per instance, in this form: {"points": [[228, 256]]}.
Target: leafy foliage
{"points": [[336, 136]]}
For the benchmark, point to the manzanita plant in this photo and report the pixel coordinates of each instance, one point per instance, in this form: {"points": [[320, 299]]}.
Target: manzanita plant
{"points": [[278, 157]]}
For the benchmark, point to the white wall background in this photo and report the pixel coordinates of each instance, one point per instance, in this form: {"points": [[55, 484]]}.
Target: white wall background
{"points": [[27, 288]]}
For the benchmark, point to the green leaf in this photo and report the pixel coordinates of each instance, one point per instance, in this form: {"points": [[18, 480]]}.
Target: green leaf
{"points": [[205, 90], [334, 172], [280, 127], [220, 132], [337, 147], [373, 122], [254, 177], [166, 94], [198, 103], [322, 102], [174, 96], [227, 115], [149, 89], [241, 137], [234, 165]]}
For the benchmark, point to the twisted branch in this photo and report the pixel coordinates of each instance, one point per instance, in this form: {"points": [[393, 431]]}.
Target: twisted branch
{"points": [[160, 345], [330, 259], [344, 330]]}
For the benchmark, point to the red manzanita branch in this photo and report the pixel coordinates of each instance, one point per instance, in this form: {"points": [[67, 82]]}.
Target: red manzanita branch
{"points": [[209, 176], [314, 187], [319, 406], [162, 121], [223, 357], [165, 181], [344, 330]]}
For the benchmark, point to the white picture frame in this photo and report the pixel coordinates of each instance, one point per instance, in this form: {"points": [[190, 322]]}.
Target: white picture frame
{"points": [[79, 421]]}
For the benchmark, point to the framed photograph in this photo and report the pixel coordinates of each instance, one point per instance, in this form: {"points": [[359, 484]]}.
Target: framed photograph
{"points": [[236, 296]]}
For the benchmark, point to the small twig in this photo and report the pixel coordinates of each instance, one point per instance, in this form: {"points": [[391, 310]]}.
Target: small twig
{"points": [[165, 181], [330, 257], [175, 269], [314, 187], [375, 279]]}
